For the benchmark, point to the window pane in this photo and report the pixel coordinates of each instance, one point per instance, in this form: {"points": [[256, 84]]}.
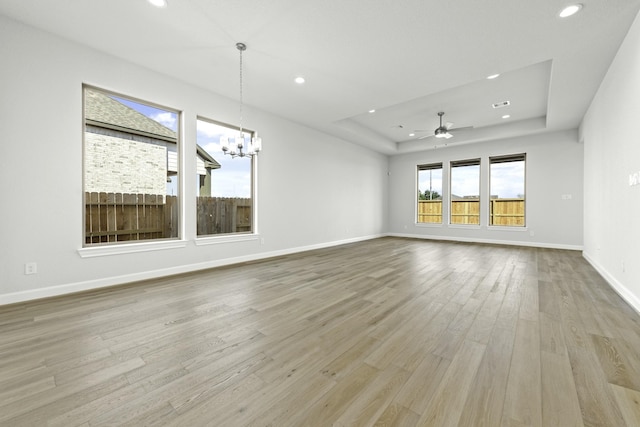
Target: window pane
{"points": [[130, 169], [430, 193], [465, 192], [507, 191], [224, 184]]}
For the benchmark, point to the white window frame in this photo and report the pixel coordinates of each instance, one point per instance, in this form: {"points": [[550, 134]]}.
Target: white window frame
{"points": [[129, 246], [504, 159], [461, 163], [253, 235], [423, 167]]}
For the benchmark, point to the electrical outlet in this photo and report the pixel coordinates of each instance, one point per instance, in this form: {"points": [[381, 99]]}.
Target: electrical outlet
{"points": [[30, 268], [532, 233], [262, 240]]}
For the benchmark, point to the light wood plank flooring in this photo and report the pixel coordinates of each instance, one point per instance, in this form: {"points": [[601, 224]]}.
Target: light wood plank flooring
{"points": [[388, 332]]}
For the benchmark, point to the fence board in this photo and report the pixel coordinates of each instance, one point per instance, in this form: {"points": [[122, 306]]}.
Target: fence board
{"points": [[130, 216], [171, 217]]}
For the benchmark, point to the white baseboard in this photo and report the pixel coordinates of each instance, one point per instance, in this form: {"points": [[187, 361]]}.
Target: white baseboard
{"points": [[490, 241], [53, 291], [618, 287]]}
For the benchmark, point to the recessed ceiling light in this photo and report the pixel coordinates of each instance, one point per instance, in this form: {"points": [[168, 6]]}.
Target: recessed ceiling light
{"points": [[372, 111], [506, 116], [299, 80], [493, 76], [412, 134], [158, 3], [570, 10]]}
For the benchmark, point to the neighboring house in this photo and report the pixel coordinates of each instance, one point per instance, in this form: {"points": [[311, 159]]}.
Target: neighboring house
{"points": [[127, 152], [455, 197]]}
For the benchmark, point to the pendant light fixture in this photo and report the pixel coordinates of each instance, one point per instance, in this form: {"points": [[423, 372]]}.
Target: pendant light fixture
{"points": [[238, 147]]}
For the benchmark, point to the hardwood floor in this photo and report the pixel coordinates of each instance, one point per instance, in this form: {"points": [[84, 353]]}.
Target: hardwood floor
{"points": [[388, 332]]}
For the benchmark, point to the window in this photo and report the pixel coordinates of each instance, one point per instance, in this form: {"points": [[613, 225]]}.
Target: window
{"points": [[465, 192], [430, 193], [224, 184], [506, 188], [130, 169]]}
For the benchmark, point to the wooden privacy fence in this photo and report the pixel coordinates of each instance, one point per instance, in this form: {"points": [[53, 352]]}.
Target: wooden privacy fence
{"points": [[501, 211], [430, 211], [465, 211], [507, 212], [218, 215], [117, 217]]}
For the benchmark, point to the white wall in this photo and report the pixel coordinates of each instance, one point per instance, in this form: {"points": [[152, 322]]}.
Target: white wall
{"points": [[611, 134], [553, 170], [314, 190]]}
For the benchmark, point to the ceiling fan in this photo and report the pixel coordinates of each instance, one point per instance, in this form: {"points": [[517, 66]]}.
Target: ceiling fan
{"points": [[442, 131]]}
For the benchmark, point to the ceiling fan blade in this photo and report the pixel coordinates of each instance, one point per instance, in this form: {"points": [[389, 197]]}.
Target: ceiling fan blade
{"points": [[448, 135], [462, 128], [448, 125], [425, 136]]}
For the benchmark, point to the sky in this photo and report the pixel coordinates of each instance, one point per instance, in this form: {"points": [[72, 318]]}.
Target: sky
{"points": [[430, 179], [507, 180], [166, 118], [233, 179]]}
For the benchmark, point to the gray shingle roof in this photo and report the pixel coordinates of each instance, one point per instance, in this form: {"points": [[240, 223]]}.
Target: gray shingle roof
{"points": [[102, 109]]}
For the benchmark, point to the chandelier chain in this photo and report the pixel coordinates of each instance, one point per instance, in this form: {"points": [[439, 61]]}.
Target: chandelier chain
{"points": [[241, 97]]}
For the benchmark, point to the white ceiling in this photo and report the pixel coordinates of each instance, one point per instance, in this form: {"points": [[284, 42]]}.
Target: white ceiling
{"points": [[408, 59]]}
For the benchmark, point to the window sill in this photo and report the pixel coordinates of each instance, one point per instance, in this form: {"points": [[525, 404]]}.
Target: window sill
{"points": [[429, 224], [506, 228], [128, 248], [214, 240], [465, 226]]}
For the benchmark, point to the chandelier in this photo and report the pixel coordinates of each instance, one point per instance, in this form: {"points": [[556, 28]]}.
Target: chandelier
{"points": [[241, 146]]}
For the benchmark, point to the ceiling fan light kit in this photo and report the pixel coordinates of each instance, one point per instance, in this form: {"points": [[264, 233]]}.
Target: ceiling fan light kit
{"points": [[442, 131]]}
